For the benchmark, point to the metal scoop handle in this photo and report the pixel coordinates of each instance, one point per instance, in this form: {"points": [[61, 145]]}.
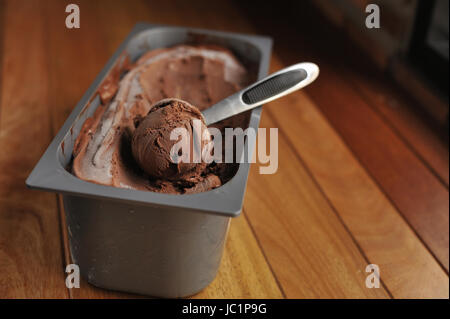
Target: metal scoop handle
{"points": [[268, 89]]}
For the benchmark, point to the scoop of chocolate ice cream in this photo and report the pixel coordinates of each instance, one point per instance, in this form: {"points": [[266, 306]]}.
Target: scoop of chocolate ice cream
{"points": [[152, 144]]}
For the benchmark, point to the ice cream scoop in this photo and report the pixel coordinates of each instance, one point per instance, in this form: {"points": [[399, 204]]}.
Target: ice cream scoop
{"points": [[270, 88], [156, 135], [152, 141]]}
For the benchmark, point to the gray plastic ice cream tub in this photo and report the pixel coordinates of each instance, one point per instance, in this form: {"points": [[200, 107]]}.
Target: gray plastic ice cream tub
{"points": [[149, 243]]}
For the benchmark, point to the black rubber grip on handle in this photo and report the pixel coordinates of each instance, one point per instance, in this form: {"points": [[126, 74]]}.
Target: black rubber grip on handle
{"points": [[273, 86]]}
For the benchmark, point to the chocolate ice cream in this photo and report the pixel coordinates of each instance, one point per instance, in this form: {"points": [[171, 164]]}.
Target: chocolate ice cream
{"points": [[200, 75], [152, 144]]}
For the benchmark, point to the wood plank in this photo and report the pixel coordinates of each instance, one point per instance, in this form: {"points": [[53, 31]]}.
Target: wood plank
{"points": [[30, 248], [407, 269], [310, 251], [419, 196], [398, 274], [244, 273], [398, 109], [415, 191], [402, 115], [2, 35]]}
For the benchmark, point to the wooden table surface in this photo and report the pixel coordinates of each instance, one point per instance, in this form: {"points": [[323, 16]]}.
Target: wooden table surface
{"points": [[361, 179]]}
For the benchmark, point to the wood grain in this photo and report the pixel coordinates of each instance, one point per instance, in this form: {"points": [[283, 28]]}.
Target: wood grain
{"points": [[2, 35], [307, 231], [244, 273], [310, 251], [30, 247], [434, 284], [402, 115], [414, 190], [377, 227]]}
